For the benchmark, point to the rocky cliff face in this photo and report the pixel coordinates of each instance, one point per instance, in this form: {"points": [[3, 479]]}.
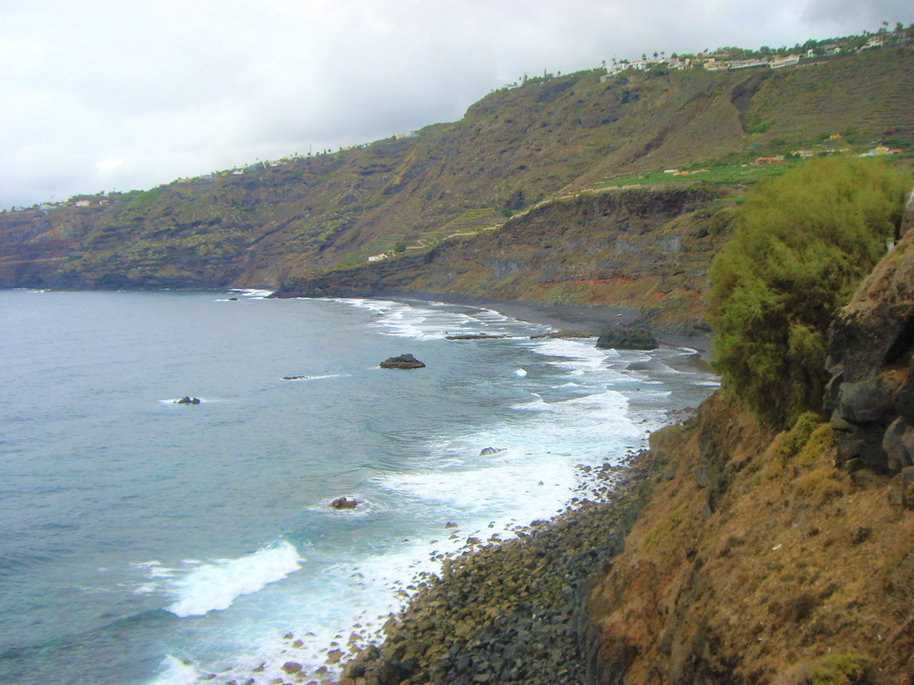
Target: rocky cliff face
{"points": [[870, 398], [787, 558], [642, 249]]}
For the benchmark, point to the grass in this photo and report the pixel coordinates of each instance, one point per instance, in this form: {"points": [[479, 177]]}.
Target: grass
{"points": [[746, 173]]}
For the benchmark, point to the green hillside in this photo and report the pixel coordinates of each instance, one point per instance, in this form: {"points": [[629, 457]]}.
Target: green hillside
{"points": [[517, 147]]}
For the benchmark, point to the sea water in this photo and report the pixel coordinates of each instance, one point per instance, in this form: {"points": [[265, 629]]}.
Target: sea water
{"points": [[147, 542]]}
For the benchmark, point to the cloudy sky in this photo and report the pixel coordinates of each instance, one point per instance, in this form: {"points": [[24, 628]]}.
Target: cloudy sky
{"points": [[122, 94]]}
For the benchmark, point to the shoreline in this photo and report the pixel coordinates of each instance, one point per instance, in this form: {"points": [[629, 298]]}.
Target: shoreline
{"points": [[513, 612], [521, 599], [572, 317]]}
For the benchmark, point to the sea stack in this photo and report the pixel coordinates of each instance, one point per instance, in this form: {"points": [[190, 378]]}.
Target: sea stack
{"points": [[404, 361]]}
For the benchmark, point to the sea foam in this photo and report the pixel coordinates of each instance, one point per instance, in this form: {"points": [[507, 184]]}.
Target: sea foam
{"points": [[214, 586], [175, 672]]}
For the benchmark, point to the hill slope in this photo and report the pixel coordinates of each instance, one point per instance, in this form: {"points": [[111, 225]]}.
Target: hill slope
{"points": [[514, 148]]}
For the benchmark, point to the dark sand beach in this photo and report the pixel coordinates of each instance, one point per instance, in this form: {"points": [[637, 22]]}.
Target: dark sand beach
{"points": [[572, 317]]}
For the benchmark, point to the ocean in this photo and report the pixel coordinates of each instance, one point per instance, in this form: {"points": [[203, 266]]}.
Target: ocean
{"points": [[153, 543]]}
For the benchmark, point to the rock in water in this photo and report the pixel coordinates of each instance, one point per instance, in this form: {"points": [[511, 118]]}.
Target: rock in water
{"points": [[404, 361], [635, 336], [343, 503], [188, 400], [491, 450]]}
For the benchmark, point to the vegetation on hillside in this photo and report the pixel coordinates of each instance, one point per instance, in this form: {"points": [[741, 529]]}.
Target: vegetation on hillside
{"points": [[513, 150], [802, 245]]}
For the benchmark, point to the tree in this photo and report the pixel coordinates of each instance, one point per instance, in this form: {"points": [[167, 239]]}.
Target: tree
{"points": [[802, 244]]}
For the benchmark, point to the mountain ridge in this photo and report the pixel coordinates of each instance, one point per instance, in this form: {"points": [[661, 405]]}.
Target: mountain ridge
{"points": [[515, 148]]}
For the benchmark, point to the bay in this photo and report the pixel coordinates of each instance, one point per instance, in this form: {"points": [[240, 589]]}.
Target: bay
{"points": [[142, 541]]}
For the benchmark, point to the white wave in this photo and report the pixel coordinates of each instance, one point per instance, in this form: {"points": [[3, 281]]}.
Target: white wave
{"points": [[520, 373], [175, 672], [420, 320], [507, 489], [315, 378], [155, 569], [253, 293], [214, 586]]}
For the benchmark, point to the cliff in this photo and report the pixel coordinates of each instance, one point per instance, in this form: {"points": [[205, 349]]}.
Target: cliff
{"points": [[300, 217], [641, 249], [780, 558]]}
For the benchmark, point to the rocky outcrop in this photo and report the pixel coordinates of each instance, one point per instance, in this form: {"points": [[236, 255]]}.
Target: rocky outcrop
{"points": [[870, 397], [634, 336], [188, 400], [404, 361], [344, 503]]}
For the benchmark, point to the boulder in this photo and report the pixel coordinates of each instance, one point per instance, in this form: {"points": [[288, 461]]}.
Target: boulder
{"points": [[291, 667], [634, 336], [865, 401], [404, 361], [343, 503], [188, 400], [487, 451], [870, 397], [898, 444]]}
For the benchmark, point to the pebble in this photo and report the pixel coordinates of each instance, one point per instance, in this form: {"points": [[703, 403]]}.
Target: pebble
{"points": [[508, 612]]}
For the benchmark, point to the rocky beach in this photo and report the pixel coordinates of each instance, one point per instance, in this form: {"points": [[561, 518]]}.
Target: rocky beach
{"points": [[511, 611]]}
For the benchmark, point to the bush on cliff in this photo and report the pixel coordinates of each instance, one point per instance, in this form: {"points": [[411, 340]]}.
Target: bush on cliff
{"points": [[802, 244]]}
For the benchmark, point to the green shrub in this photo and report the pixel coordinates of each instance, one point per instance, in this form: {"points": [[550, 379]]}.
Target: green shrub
{"points": [[842, 669], [802, 244], [788, 445]]}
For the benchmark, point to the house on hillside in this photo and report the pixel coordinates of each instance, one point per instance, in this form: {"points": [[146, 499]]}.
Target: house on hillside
{"points": [[378, 257], [713, 65], [784, 62], [748, 63], [83, 203], [777, 159]]}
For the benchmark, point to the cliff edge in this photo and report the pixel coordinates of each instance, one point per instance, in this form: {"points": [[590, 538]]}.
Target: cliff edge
{"points": [[780, 558]]}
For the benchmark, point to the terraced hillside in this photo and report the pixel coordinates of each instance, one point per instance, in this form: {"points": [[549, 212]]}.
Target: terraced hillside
{"points": [[512, 150]]}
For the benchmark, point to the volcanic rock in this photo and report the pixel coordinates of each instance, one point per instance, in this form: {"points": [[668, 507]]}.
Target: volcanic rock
{"points": [[404, 361], [343, 503], [870, 397], [634, 336]]}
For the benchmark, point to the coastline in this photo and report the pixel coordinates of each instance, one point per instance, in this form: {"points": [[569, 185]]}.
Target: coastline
{"points": [[571, 317], [514, 611]]}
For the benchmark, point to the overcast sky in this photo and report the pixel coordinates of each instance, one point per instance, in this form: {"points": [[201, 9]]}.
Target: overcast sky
{"points": [[118, 95]]}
